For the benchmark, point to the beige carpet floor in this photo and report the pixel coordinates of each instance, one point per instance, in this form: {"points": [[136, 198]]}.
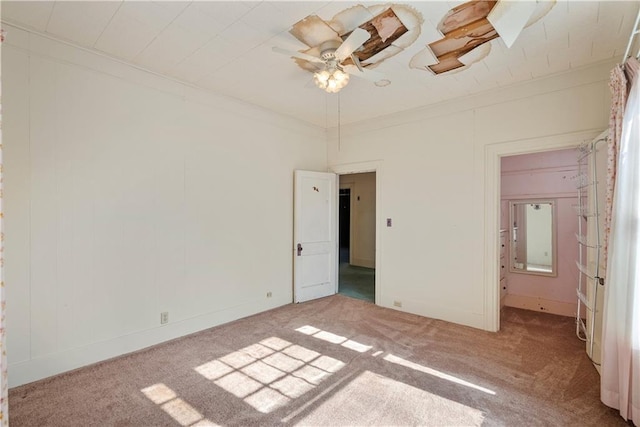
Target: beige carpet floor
{"points": [[335, 361]]}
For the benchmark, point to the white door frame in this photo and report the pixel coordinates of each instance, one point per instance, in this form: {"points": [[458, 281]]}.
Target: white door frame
{"points": [[363, 167], [492, 193]]}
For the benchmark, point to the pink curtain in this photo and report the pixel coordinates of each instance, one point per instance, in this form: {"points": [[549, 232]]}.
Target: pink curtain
{"points": [[4, 399], [618, 86], [620, 382]]}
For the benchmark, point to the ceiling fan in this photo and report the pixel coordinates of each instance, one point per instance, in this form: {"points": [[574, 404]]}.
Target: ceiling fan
{"points": [[337, 61]]}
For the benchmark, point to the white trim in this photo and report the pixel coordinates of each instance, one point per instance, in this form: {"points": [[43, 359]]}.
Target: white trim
{"points": [[537, 170], [557, 83], [362, 167], [491, 176], [560, 308], [66, 53], [572, 195]]}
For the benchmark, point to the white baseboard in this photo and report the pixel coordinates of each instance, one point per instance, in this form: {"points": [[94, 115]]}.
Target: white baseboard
{"points": [[52, 364], [541, 304]]}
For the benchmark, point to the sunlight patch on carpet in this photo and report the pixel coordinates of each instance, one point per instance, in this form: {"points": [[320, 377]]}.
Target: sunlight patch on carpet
{"points": [[214, 370], [372, 399], [270, 374], [275, 343], [301, 353], [308, 330], [185, 414], [333, 338], [283, 362], [238, 384], [420, 368], [329, 337], [182, 412], [356, 346], [159, 393]]}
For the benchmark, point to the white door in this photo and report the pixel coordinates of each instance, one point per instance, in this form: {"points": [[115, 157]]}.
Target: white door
{"points": [[315, 235]]}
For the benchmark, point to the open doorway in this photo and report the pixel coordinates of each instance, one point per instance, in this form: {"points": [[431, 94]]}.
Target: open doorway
{"points": [[357, 235], [539, 185], [492, 187]]}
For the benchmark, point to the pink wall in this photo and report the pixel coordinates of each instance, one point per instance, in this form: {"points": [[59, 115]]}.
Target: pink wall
{"points": [[545, 175]]}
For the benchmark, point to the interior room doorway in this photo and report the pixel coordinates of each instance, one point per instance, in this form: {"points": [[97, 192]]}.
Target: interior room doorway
{"points": [[538, 225], [357, 235]]}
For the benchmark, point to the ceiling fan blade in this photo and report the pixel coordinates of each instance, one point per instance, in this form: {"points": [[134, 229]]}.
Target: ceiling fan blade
{"points": [[372, 76], [353, 42], [300, 55]]}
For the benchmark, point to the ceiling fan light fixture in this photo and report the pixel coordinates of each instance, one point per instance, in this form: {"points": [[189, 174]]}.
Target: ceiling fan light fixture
{"points": [[331, 79]]}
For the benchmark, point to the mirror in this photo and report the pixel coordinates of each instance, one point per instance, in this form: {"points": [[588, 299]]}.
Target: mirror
{"points": [[533, 237]]}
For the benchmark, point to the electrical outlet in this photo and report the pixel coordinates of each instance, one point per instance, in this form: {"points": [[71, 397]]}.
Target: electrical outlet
{"points": [[164, 317], [269, 294], [397, 303]]}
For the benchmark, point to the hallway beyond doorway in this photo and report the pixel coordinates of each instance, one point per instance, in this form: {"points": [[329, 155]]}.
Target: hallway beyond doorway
{"points": [[357, 236], [357, 282]]}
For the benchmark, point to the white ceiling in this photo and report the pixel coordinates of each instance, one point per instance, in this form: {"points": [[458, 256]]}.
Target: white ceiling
{"points": [[226, 47]]}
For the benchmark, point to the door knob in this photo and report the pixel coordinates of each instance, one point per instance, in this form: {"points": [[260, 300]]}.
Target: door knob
{"points": [[299, 249]]}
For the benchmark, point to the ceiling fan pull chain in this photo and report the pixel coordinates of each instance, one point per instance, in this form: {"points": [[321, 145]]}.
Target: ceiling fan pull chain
{"points": [[339, 133]]}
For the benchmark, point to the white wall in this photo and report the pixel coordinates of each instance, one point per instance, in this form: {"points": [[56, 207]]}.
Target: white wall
{"points": [[128, 194], [363, 215], [436, 177], [124, 199]]}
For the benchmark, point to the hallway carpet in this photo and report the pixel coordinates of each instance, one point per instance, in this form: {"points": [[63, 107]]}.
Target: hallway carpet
{"points": [[335, 361], [357, 282]]}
